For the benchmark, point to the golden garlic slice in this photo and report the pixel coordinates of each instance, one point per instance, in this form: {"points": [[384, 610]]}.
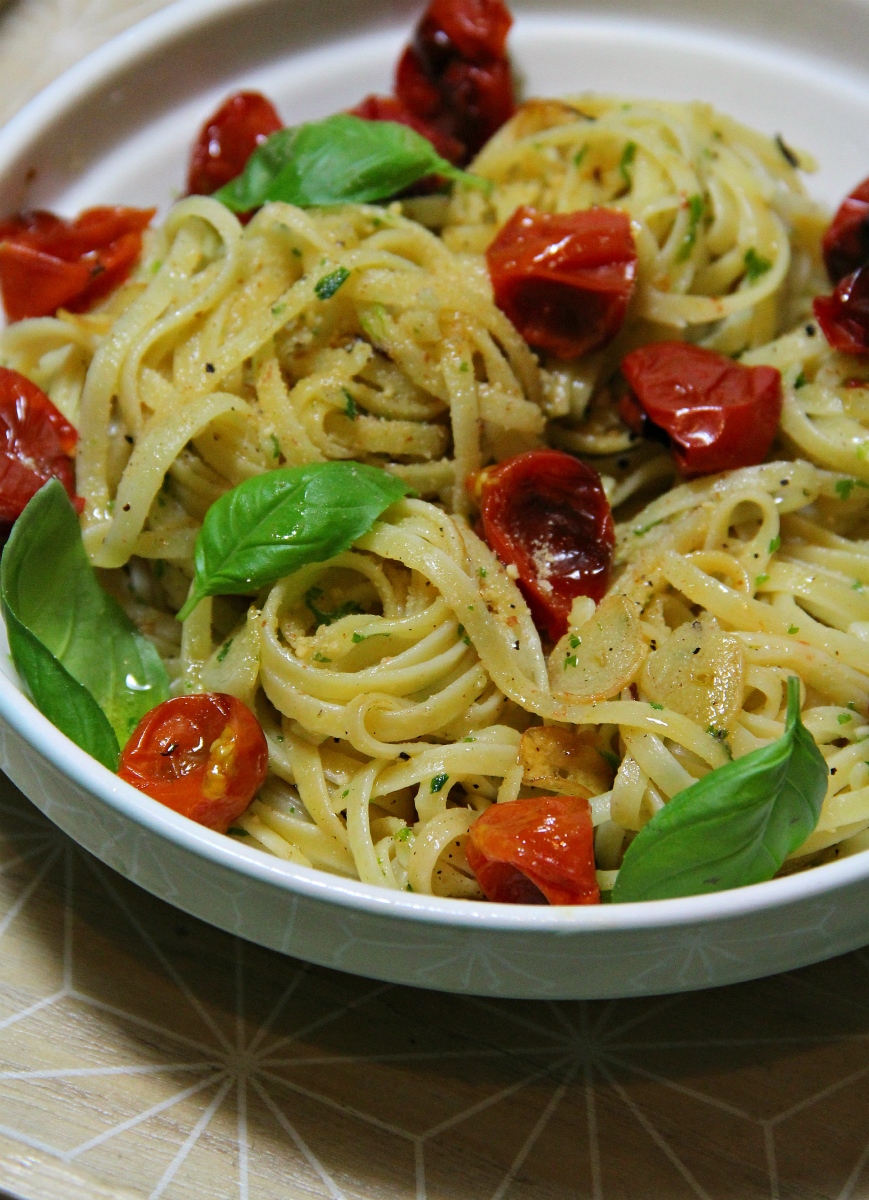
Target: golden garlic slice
{"points": [[699, 672], [597, 660]]}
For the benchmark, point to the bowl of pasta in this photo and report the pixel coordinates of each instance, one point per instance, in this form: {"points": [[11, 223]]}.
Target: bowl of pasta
{"points": [[437, 508]]}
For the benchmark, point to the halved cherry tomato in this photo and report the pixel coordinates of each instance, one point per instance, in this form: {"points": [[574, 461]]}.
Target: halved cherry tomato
{"points": [[535, 851], [844, 316], [719, 414], [456, 74], [846, 242], [37, 443], [47, 262], [564, 279], [545, 512], [205, 756], [228, 139], [389, 108]]}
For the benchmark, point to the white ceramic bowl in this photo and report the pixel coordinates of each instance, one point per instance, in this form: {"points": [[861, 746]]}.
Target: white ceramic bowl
{"points": [[116, 129]]}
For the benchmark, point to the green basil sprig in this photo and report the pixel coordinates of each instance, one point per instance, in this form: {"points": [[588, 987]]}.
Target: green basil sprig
{"points": [[341, 160], [272, 524], [735, 826], [80, 658]]}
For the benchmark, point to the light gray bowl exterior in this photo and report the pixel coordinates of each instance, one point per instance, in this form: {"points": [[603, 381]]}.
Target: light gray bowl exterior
{"points": [[385, 941], [454, 946]]}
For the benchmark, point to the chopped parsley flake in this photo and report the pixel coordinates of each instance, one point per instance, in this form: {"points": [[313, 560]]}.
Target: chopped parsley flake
{"points": [[570, 661], [793, 629], [437, 783], [844, 487], [696, 208], [350, 408], [224, 650], [276, 447], [628, 155], [278, 310], [656, 707], [800, 381], [611, 759], [237, 831], [844, 718], [755, 265], [580, 155], [760, 579], [329, 284], [645, 528], [774, 545], [358, 637], [575, 641], [312, 595], [318, 657]]}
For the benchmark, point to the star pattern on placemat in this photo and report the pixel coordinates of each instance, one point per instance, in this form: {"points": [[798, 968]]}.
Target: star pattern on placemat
{"points": [[168, 1053]]}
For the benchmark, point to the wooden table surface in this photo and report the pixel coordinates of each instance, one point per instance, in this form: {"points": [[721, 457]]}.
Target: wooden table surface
{"points": [[145, 1055]]}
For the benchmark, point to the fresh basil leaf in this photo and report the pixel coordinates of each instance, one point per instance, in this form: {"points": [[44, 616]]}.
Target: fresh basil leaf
{"points": [[341, 160], [58, 696], [272, 524], [51, 593], [735, 826]]}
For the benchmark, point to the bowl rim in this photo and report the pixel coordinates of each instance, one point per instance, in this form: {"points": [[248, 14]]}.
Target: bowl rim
{"points": [[32, 120], [311, 882]]}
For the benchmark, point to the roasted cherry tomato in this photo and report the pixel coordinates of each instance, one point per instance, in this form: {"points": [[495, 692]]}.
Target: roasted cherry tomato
{"points": [[844, 316], [564, 279], [228, 139], [846, 242], [205, 756], [37, 443], [546, 513], [719, 414], [389, 108], [476, 29], [47, 262], [535, 851], [456, 74]]}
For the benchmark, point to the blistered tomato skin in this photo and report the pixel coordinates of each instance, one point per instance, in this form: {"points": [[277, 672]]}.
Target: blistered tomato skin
{"points": [[204, 756], [564, 279], [476, 28], [535, 851], [47, 262], [456, 76], [546, 513], [720, 415], [37, 443], [846, 242], [844, 316], [228, 139]]}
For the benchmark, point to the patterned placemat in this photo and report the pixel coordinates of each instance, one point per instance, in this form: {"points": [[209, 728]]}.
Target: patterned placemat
{"points": [[145, 1054]]}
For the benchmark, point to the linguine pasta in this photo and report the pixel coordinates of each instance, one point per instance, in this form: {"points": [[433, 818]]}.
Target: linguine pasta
{"points": [[402, 685]]}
